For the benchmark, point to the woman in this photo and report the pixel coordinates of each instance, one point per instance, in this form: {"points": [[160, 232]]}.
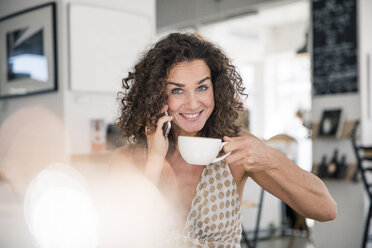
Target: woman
{"points": [[193, 81]]}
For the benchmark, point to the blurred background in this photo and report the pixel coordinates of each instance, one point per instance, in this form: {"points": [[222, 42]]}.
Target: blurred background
{"points": [[306, 66]]}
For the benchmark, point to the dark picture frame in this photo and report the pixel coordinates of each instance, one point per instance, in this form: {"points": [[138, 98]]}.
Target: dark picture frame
{"points": [[331, 123], [28, 52]]}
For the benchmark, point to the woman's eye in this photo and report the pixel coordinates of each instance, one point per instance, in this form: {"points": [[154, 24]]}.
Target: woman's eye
{"points": [[176, 91], [202, 88]]}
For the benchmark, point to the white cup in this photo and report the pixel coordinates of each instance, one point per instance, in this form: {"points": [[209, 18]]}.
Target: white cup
{"points": [[200, 150]]}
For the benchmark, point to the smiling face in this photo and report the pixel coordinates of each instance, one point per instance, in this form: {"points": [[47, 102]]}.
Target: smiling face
{"points": [[190, 96]]}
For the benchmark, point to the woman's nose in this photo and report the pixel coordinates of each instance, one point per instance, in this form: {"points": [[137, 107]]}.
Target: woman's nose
{"points": [[192, 102]]}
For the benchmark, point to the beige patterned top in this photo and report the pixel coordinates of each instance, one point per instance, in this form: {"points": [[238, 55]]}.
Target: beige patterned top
{"points": [[214, 219]]}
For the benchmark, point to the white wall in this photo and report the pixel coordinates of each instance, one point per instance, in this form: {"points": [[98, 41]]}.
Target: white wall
{"points": [[365, 46], [346, 230]]}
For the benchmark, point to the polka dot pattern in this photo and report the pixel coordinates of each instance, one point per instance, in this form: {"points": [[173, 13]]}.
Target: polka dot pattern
{"points": [[214, 219]]}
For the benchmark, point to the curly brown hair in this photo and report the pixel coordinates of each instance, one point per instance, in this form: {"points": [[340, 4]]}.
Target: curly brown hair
{"points": [[144, 89]]}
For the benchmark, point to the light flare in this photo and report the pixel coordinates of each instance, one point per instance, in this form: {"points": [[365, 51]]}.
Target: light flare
{"points": [[128, 211], [58, 209], [135, 214]]}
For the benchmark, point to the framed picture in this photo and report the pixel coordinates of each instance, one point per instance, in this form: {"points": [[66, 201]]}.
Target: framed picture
{"points": [[331, 123], [28, 62]]}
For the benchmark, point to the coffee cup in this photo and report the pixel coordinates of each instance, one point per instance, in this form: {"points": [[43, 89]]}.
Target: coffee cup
{"points": [[200, 150]]}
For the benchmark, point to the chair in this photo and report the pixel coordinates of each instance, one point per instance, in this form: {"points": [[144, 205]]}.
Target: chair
{"points": [[364, 161]]}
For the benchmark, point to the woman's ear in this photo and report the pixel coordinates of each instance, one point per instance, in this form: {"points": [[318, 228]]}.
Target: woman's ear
{"points": [[165, 108]]}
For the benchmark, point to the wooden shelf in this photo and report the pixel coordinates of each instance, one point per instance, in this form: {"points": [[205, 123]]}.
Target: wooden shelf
{"points": [[350, 171], [347, 128]]}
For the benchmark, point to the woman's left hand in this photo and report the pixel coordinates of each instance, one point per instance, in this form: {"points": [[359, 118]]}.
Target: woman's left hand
{"points": [[249, 152]]}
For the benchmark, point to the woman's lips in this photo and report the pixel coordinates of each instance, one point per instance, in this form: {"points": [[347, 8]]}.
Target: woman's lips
{"points": [[191, 117]]}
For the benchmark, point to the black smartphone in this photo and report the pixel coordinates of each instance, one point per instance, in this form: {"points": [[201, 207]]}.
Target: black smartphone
{"points": [[166, 127]]}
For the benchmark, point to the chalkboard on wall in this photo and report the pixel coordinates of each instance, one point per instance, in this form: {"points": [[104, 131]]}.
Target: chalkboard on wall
{"points": [[335, 54]]}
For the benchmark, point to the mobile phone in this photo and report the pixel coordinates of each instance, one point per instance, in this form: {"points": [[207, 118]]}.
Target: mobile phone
{"points": [[166, 127]]}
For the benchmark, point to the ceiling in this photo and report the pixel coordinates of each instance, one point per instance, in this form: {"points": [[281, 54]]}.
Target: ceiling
{"points": [[172, 14], [270, 30]]}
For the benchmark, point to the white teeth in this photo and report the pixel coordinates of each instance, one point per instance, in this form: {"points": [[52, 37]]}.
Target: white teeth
{"points": [[190, 116]]}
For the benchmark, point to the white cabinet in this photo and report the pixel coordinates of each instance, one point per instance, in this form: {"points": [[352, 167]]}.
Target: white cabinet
{"points": [[104, 45]]}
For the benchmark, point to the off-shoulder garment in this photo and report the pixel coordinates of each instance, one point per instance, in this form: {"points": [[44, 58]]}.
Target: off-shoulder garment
{"points": [[214, 219]]}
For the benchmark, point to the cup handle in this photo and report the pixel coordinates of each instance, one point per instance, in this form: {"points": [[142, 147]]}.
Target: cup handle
{"points": [[222, 157]]}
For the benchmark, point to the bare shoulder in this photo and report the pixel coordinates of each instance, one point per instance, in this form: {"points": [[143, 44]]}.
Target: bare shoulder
{"points": [[127, 157], [244, 132], [123, 151]]}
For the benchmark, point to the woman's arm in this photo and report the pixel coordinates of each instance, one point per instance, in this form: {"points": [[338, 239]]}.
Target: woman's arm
{"points": [[301, 190], [157, 148]]}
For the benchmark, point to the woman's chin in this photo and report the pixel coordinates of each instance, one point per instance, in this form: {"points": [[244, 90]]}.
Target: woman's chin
{"points": [[193, 132], [187, 130]]}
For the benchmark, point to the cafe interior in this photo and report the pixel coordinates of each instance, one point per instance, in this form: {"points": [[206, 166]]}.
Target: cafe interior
{"points": [[306, 66]]}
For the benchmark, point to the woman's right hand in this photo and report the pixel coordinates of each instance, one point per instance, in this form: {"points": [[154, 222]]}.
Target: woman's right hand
{"points": [[156, 142]]}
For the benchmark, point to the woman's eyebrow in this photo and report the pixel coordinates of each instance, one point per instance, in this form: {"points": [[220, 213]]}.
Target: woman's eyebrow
{"points": [[204, 79], [182, 85], [176, 84]]}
